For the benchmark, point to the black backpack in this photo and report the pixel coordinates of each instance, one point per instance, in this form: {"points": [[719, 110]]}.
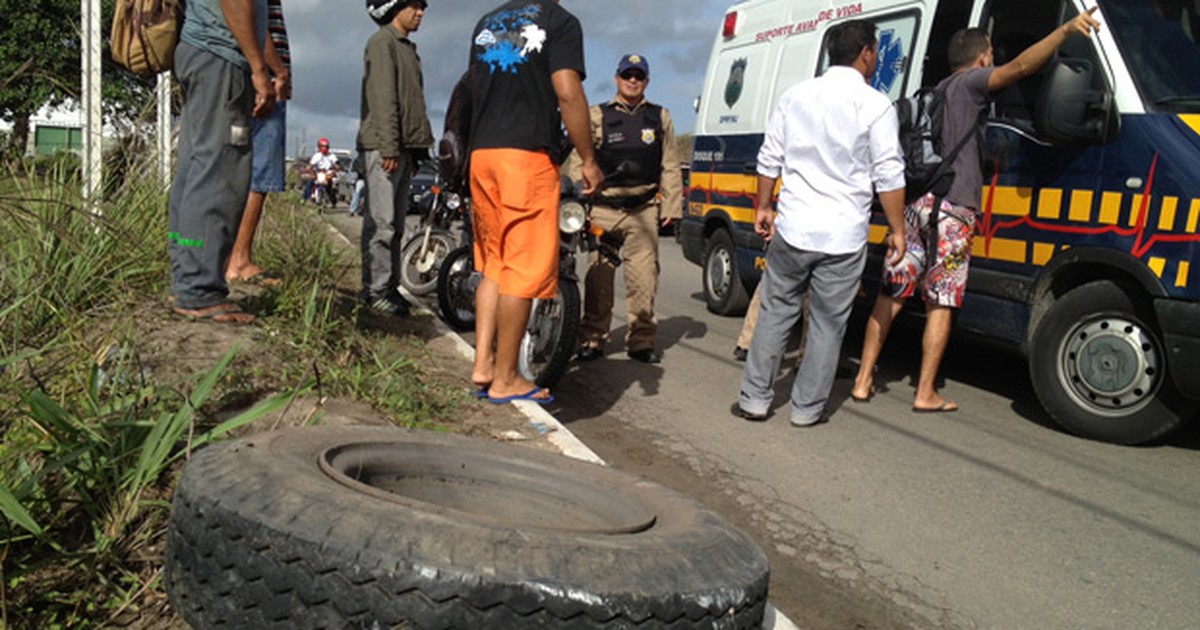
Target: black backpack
{"points": [[927, 166]]}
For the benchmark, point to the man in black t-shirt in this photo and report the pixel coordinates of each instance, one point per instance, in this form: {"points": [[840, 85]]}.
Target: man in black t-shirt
{"points": [[525, 76]]}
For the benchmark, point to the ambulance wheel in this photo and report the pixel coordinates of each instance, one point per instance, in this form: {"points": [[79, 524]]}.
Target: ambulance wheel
{"points": [[1099, 368], [366, 527], [724, 292]]}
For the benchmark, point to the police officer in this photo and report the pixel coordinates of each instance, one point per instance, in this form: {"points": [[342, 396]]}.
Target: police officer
{"points": [[638, 136]]}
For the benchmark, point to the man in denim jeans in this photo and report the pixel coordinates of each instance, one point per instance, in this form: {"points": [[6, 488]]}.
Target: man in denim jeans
{"points": [[269, 140]]}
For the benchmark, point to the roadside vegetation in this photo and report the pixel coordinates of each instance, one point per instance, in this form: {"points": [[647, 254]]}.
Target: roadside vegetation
{"points": [[92, 436]]}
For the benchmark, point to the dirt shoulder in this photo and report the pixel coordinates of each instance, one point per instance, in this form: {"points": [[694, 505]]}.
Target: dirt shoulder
{"points": [[176, 351]]}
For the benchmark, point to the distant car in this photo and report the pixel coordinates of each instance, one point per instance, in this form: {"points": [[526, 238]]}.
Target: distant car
{"points": [[421, 182]]}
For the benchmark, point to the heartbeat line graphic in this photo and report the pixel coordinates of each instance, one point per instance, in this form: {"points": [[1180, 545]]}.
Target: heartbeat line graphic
{"points": [[1141, 245]]}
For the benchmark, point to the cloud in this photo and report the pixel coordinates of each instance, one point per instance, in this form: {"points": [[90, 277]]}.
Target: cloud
{"points": [[327, 42]]}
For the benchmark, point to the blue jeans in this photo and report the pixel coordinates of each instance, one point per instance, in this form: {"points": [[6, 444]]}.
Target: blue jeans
{"points": [[356, 198], [269, 136]]}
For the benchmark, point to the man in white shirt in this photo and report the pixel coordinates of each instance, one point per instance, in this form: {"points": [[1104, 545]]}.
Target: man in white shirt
{"points": [[834, 140], [324, 165]]}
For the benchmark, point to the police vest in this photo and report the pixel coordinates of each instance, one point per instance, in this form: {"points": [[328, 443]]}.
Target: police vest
{"points": [[635, 138]]}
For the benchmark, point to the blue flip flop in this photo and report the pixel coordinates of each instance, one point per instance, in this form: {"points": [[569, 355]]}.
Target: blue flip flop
{"points": [[481, 393], [529, 395]]}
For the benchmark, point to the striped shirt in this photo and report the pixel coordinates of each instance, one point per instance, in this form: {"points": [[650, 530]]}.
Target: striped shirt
{"points": [[278, 31]]}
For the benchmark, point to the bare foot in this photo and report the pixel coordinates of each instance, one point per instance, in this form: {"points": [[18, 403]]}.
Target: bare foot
{"points": [[253, 274], [934, 404], [225, 313], [864, 387]]}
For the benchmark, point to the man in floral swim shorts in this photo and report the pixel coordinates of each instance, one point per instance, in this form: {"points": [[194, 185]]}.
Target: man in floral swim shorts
{"points": [[943, 276]]}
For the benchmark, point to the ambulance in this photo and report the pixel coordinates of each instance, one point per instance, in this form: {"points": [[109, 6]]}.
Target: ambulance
{"points": [[1088, 228]]}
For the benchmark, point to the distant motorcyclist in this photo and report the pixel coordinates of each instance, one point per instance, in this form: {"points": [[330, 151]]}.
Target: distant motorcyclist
{"points": [[325, 168]]}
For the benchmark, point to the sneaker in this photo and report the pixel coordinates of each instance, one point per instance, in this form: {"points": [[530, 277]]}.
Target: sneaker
{"points": [[737, 411], [807, 422], [590, 353], [645, 355], [395, 307]]}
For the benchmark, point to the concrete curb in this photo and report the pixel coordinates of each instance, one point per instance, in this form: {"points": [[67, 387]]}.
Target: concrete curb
{"points": [[557, 434]]}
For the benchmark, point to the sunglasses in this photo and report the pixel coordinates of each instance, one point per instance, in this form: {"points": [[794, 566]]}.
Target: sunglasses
{"points": [[635, 75]]}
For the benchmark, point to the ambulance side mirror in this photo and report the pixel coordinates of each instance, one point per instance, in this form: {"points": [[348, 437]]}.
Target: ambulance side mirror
{"points": [[1070, 110]]}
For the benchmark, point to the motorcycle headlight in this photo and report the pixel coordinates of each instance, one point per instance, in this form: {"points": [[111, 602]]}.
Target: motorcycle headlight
{"points": [[571, 217], [453, 201]]}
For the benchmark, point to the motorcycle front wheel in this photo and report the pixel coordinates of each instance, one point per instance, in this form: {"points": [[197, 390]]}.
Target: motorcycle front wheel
{"points": [[551, 336], [456, 283], [420, 260]]}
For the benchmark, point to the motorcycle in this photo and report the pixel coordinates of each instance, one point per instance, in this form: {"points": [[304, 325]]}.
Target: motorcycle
{"points": [[552, 335], [323, 190], [421, 257]]}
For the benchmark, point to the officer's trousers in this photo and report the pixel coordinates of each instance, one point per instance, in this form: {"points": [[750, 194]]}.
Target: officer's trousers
{"points": [[639, 257]]}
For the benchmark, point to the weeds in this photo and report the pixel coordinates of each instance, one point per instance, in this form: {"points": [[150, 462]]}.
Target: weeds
{"points": [[92, 438]]}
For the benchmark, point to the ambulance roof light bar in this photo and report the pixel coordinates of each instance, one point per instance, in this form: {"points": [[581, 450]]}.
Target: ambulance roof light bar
{"points": [[730, 29]]}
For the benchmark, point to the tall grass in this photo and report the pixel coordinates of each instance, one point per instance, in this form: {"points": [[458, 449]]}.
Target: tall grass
{"points": [[90, 439], [62, 257]]}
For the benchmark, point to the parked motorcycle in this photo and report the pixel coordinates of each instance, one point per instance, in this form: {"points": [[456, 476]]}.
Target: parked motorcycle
{"points": [[421, 257], [457, 281], [552, 335]]}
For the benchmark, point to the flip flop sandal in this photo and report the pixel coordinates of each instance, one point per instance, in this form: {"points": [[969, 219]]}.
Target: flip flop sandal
{"points": [[529, 395], [211, 316]]}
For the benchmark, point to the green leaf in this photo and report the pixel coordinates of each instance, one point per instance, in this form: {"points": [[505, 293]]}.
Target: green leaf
{"points": [[15, 512]]}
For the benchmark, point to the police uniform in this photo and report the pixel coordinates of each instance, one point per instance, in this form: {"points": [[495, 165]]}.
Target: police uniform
{"points": [[629, 207]]}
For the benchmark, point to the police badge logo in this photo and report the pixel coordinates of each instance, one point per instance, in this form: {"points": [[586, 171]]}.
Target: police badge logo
{"points": [[737, 75], [648, 136]]}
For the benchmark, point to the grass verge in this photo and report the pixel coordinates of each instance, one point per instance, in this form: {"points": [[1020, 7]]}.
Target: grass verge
{"points": [[96, 420]]}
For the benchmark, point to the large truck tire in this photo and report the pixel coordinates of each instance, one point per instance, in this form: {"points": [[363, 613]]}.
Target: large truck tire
{"points": [[380, 527], [1098, 366]]}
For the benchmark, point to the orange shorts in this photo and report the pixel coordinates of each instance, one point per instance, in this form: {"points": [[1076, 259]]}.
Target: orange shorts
{"points": [[514, 203]]}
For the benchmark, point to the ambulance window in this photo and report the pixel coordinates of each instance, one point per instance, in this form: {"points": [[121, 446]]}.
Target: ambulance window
{"points": [[897, 37], [951, 16], [738, 93], [1016, 25]]}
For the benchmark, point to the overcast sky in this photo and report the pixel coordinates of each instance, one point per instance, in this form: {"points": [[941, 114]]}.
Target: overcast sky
{"points": [[327, 40]]}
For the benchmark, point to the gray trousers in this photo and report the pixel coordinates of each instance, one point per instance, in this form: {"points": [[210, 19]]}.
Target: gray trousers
{"points": [[383, 224], [212, 176], [834, 280]]}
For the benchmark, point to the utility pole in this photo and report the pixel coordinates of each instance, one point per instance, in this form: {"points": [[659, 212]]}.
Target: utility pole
{"points": [[93, 123], [163, 127]]}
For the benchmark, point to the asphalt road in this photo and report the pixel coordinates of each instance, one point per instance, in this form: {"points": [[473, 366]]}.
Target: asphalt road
{"points": [[985, 518]]}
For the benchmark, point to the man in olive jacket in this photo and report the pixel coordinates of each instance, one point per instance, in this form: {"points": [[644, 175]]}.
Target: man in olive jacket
{"points": [[393, 133]]}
